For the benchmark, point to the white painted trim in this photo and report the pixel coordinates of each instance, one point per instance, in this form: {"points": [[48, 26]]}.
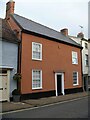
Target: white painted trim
{"points": [[6, 67], [62, 74], [76, 57], [77, 79], [41, 51], [8, 85], [41, 80], [56, 83]]}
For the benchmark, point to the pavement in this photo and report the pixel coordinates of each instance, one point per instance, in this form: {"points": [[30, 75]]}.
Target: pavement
{"points": [[25, 104]]}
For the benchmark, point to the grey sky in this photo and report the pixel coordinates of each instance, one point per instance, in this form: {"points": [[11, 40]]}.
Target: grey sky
{"points": [[56, 14]]}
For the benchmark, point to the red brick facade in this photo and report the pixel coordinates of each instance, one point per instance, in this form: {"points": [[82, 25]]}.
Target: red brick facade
{"points": [[56, 57]]}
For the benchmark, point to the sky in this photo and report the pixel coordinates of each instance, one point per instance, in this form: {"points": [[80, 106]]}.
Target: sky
{"points": [[56, 14]]}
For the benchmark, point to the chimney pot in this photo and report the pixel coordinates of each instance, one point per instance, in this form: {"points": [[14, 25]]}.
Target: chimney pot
{"points": [[80, 35], [64, 31]]}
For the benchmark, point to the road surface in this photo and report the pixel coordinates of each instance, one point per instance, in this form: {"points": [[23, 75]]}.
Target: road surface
{"points": [[70, 109]]}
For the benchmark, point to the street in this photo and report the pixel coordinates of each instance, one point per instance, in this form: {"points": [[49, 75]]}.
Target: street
{"points": [[70, 109]]}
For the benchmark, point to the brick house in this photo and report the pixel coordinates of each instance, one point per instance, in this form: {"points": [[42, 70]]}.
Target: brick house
{"points": [[50, 62]]}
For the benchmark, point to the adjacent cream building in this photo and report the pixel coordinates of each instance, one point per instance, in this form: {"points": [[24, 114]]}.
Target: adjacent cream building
{"points": [[85, 58], [89, 39], [89, 63]]}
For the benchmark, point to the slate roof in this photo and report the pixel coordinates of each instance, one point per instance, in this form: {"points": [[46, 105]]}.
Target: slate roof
{"points": [[6, 33], [37, 28], [84, 39]]}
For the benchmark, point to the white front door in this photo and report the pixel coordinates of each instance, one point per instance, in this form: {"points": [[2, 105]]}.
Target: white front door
{"points": [[3, 87], [59, 83]]}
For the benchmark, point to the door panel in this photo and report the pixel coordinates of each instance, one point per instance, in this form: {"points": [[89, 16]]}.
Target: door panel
{"points": [[59, 84], [3, 87]]}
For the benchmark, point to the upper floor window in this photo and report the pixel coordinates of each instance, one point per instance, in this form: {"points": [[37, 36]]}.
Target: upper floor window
{"points": [[74, 58], [36, 51], [86, 45], [86, 60], [75, 78]]}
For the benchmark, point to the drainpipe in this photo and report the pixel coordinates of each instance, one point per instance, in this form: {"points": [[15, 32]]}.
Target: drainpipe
{"points": [[19, 60]]}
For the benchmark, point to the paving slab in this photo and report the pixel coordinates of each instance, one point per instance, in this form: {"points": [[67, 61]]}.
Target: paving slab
{"points": [[12, 106]]}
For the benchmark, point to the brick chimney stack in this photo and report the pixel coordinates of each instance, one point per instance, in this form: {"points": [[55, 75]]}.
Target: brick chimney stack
{"points": [[9, 8], [64, 31]]}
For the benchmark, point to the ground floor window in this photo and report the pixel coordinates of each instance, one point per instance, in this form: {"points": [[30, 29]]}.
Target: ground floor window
{"points": [[36, 79], [75, 78]]}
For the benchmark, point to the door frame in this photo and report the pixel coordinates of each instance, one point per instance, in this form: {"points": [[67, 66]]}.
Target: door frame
{"points": [[62, 83], [8, 85]]}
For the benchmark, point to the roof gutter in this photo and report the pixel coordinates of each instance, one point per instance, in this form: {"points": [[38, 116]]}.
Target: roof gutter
{"points": [[47, 37]]}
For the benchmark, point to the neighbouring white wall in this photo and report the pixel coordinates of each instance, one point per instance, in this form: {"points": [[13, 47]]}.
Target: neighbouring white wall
{"points": [[89, 58], [0, 51], [84, 51], [9, 58]]}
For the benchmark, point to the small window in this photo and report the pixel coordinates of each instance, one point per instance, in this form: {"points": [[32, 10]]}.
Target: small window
{"points": [[86, 45], [36, 51], [86, 60], [3, 71], [75, 78], [74, 58], [36, 79]]}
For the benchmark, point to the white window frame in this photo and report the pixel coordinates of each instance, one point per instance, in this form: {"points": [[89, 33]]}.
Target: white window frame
{"points": [[40, 51], [86, 45], [75, 63], [62, 82], [86, 60], [77, 79], [40, 79]]}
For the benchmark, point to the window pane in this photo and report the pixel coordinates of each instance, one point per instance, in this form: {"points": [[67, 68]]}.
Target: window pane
{"points": [[75, 78], [74, 58], [86, 45], [86, 60], [36, 80], [37, 51]]}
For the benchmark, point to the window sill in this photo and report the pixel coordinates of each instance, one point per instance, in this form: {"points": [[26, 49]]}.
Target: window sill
{"points": [[36, 59], [74, 63], [75, 84], [37, 88]]}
